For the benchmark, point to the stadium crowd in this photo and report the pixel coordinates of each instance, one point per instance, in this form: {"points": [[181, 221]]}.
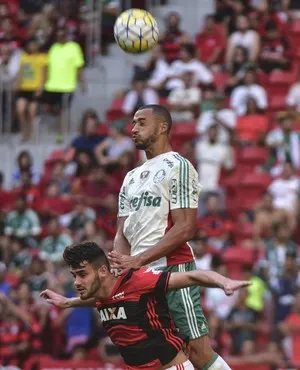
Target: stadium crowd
{"points": [[234, 95]]}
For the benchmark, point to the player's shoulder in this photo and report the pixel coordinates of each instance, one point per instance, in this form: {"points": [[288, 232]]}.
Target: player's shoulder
{"points": [[179, 161], [131, 174]]}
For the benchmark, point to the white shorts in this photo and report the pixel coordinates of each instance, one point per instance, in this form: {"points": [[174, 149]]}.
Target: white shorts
{"points": [[187, 365]]}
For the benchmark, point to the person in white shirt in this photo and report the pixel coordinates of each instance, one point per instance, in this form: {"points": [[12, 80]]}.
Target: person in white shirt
{"points": [[185, 102], [285, 192], [244, 37], [225, 117], [211, 156], [293, 97], [250, 89], [188, 62], [138, 96]]}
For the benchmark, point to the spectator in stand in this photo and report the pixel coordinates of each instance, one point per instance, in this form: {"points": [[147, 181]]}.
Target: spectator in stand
{"points": [[284, 289], [77, 219], [211, 157], [283, 144], [8, 33], [15, 334], [275, 53], [28, 189], [265, 217], [277, 249], [243, 325], [202, 251], [173, 38], [218, 305], [290, 327], [29, 81], [52, 246], [138, 96], [215, 222], [188, 62], [184, 102], [210, 43], [82, 147], [285, 192], [22, 222], [9, 67], [245, 37], [251, 128], [224, 117], [59, 176], [156, 69], [64, 71], [249, 89], [20, 255], [293, 98], [4, 285], [25, 164], [117, 144], [240, 66]]}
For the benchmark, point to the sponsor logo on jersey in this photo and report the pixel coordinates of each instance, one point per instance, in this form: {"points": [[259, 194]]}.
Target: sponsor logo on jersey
{"points": [[145, 200], [160, 175], [174, 191], [113, 313], [122, 198], [131, 182], [169, 163], [144, 176]]}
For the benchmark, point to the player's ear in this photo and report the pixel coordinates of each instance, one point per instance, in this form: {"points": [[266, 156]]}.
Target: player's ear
{"points": [[164, 128], [103, 271]]}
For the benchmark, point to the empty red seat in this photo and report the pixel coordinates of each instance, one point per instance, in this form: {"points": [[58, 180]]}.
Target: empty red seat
{"points": [[184, 131], [277, 103], [252, 156], [282, 77], [220, 79], [235, 259], [295, 26], [115, 111]]}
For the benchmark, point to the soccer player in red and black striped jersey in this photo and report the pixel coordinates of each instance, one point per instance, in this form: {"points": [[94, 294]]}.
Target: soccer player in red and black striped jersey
{"points": [[133, 307]]}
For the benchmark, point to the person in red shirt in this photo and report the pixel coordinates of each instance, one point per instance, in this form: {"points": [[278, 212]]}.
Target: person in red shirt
{"points": [[133, 307], [210, 43]]}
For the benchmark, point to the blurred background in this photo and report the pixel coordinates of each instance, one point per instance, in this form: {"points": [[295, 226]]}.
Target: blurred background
{"points": [[228, 70]]}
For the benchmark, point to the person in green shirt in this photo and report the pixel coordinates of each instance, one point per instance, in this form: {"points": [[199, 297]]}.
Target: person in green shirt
{"points": [[64, 71]]}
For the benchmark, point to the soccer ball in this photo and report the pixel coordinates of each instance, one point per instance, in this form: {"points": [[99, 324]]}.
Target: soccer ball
{"points": [[136, 31]]}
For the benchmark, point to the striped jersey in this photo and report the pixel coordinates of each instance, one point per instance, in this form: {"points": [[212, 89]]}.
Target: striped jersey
{"points": [[136, 318], [148, 195]]}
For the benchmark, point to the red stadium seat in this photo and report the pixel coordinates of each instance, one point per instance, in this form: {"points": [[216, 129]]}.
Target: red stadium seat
{"points": [[184, 131], [220, 79], [115, 110], [277, 103], [251, 157], [284, 78], [236, 258], [295, 26], [250, 367]]}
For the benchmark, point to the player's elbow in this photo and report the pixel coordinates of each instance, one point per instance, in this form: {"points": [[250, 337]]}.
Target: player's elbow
{"points": [[189, 230]]}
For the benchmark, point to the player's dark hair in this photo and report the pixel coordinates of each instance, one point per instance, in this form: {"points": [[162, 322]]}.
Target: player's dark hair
{"points": [[87, 251], [161, 114], [190, 49]]}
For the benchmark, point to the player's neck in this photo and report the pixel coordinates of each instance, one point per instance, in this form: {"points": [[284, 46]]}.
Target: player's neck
{"points": [[107, 287], [157, 149]]}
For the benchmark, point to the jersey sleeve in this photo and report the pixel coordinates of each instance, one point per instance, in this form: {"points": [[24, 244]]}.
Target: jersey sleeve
{"points": [[149, 280], [184, 186], [123, 210]]}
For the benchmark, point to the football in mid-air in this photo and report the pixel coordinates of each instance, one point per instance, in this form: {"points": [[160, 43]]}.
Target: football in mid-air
{"points": [[136, 31]]}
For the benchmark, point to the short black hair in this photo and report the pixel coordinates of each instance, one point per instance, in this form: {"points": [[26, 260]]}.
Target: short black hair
{"points": [[190, 49], [161, 113], [88, 251]]}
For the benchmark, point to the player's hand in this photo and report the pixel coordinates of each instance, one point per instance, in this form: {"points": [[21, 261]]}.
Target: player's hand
{"points": [[122, 262], [230, 286], [55, 299]]}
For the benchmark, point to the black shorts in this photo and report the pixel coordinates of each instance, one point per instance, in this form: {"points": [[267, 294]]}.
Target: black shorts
{"points": [[56, 98], [27, 95]]}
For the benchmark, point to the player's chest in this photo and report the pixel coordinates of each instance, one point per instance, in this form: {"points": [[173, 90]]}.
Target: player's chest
{"points": [[118, 311], [148, 186]]}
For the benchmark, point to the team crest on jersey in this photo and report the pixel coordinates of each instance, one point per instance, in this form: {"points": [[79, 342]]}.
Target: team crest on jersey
{"points": [[159, 177], [144, 176], [131, 182]]}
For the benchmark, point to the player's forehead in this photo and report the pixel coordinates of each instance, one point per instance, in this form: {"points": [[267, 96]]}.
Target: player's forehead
{"points": [[143, 114], [84, 266]]}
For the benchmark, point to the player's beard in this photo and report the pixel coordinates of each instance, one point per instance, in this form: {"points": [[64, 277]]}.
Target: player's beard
{"points": [[93, 289], [147, 143]]}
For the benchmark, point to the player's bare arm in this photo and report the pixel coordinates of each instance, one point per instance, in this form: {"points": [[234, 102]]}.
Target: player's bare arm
{"points": [[184, 228], [60, 301], [205, 278], [121, 244]]}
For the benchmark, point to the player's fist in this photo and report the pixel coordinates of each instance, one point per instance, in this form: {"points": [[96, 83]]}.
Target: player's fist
{"points": [[55, 299], [230, 286]]}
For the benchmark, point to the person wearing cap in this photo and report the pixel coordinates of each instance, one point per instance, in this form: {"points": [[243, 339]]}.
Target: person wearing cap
{"points": [[109, 152], [29, 82]]}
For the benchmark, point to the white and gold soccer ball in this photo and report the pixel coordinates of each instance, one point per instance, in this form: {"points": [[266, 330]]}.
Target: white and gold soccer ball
{"points": [[136, 31]]}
